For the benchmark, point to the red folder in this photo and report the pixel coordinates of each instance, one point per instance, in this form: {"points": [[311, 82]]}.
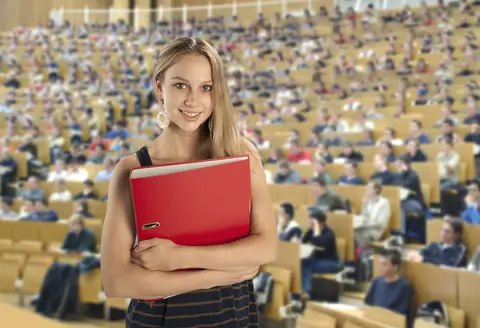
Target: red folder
{"points": [[193, 204]]}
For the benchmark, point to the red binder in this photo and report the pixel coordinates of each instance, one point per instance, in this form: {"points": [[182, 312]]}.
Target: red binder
{"points": [[193, 204]]}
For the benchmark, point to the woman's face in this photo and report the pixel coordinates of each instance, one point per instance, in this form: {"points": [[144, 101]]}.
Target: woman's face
{"points": [[187, 92]]}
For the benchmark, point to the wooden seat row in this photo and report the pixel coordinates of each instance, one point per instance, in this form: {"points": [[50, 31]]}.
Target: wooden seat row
{"points": [[464, 150], [428, 173], [44, 232]]}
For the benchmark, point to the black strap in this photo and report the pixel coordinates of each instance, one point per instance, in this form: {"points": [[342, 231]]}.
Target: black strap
{"points": [[143, 156]]}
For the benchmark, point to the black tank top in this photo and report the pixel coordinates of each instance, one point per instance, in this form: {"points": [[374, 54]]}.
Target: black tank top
{"points": [[231, 306]]}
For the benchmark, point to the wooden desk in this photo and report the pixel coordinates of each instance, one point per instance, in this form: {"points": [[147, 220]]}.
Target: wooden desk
{"points": [[13, 316], [367, 317]]}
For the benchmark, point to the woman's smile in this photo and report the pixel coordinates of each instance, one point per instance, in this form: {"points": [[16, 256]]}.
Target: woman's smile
{"points": [[190, 116]]}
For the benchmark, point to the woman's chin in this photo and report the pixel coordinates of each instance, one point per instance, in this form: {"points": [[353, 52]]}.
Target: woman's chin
{"points": [[189, 127]]}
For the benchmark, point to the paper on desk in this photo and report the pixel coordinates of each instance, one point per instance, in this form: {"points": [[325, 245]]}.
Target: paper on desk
{"points": [[306, 251], [404, 193], [340, 306]]}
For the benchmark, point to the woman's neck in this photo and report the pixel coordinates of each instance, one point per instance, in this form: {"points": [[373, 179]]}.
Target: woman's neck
{"points": [[175, 144]]}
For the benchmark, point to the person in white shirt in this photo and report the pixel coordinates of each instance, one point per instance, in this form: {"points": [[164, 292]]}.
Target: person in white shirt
{"points": [[77, 173], [6, 212], [59, 172], [362, 124], [259, 141], [448, 164], [106, 174], [352, 104], [61, 192], [370, 225]]}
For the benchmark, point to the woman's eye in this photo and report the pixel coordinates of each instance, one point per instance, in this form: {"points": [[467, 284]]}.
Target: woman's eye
{"points": [[180, 86], [207, 88]]}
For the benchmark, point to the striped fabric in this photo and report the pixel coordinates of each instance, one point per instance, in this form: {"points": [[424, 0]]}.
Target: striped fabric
{"points": [[223, 307]]}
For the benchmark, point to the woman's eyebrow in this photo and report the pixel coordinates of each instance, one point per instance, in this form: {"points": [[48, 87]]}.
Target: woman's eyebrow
{"points": [[185, 80], [179, 78]]}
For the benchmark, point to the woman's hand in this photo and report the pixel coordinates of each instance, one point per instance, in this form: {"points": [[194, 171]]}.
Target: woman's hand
{"points": [[156, 255]]}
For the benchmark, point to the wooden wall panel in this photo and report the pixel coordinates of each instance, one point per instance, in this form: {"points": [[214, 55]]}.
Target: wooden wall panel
{"points": [[78, 18], [29, 13]]}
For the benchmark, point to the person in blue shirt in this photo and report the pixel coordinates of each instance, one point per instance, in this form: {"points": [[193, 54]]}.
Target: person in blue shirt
{"points": [[473, 136], [117, 131], [324, 260], [449, 252], [416, 133], [350, 177], [42, 213], [382, 174], [386, 149], [472, 213], [288, 229], [389, 290]]}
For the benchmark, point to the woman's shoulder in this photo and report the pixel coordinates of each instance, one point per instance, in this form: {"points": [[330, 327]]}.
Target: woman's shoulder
{"points": [[124, 166]]}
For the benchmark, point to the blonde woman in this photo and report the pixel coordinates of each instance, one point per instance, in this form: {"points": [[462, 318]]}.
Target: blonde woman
{"points": [[198, 123]]}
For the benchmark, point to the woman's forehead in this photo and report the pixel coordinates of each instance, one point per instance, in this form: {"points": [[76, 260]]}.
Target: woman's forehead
{"points": [[192, 68]]}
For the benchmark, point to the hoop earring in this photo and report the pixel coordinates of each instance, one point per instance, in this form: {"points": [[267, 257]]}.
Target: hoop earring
{"points": [[162, 120]]}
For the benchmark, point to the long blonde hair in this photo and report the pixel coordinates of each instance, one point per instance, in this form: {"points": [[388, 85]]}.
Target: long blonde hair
{"points": [[219, 134]]}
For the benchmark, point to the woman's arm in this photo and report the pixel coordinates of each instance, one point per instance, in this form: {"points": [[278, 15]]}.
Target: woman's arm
{"points": [[123, 279], [259, 248]]}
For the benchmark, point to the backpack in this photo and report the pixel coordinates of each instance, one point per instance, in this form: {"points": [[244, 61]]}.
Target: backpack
{"points": [[435, 312], [263, 289], [58, 297]]}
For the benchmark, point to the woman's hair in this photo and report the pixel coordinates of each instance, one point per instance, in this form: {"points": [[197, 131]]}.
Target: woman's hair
{"points": [[219, 134]]}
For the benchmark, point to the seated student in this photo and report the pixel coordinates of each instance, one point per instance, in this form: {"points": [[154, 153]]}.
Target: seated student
{"points": [[449, 252], [409, 180], [288, 229], [82, 207], [350, 177], [42, 213], [33, 191], [370, 225], [88, 191], [6, 211], [320, 170], [326, 200], [286, 175], [382, 173], [448, 162], [79, 239], [414, 153], [471, 214], [324, 260], [350, 154], [474, 264], [389, 290]]}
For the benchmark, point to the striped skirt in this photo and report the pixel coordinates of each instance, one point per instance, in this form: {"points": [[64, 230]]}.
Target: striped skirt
{"points": [[223, 307]]}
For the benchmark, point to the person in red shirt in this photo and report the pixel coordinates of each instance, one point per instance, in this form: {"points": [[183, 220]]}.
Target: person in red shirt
{"points": [[298, 154], [98, 140]]}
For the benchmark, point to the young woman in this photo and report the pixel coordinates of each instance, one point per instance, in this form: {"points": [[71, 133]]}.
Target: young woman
{"points": [[198, 123]]}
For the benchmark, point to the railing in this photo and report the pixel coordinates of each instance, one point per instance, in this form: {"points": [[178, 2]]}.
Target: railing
{"points": [[136, 15]]}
